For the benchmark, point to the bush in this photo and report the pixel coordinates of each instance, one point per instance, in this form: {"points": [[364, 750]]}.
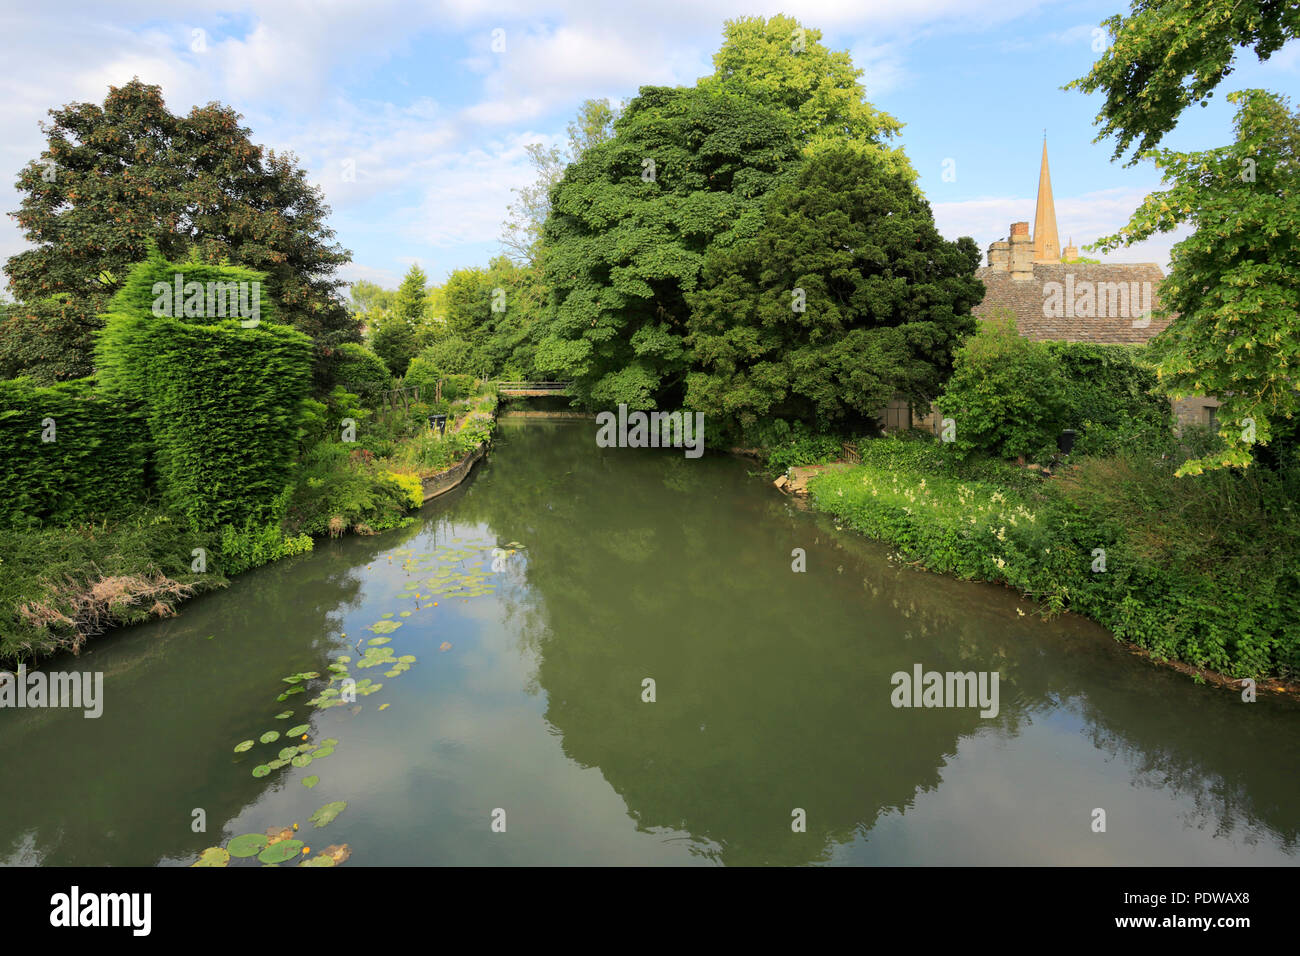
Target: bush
{"points": [[224, 402], [1005, 395], [94, 464], [787, 445], [341, 486], [361, 371]]}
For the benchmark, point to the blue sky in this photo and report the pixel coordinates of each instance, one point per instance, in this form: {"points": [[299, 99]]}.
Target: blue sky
{"points": [[434, 122]]}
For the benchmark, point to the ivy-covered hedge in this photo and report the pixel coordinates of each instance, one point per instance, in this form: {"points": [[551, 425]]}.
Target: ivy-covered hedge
{"points": [[93, 464], [224, 401]]}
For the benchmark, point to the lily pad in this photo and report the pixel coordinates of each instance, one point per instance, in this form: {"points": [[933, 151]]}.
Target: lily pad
{"points": [[281, 852], [385, 627], [297, 731], [320, 860], [311, 781], [326, 814], [302, 760], [376, 641], [322, 753], [261, 770], [250, 844], [278, 763], [216, 856], [284, 716], [288, 753], [382, 706], [329, 742], [270, 737], [243, 745]]}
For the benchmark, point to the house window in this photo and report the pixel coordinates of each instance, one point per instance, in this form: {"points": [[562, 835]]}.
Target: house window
{"points": [[1211, 416]]}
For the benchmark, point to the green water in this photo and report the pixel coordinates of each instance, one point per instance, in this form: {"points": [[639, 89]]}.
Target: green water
{"points": [[772, 692]]}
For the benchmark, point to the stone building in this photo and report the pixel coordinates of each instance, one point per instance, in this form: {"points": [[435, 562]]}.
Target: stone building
{"points": [[1053, 298]]}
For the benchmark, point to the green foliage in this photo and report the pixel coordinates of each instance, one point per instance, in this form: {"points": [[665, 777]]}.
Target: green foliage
{"points": [[94, 464], [1166, 55], [845, 297], [1235, 282], [786, 444], [61, 585], [1200, 570], [781, 64], [451, 356], [361, 370], [196, 185], [625, 243], [1112, 397], [393, 339], [223, 402], [341, 487], [254, 545], [1006, 393]]}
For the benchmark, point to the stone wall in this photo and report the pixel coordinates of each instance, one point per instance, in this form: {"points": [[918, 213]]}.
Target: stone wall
{"points": [[444, 481]]}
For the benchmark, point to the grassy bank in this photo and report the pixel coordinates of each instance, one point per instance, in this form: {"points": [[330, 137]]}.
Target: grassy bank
{"points": [[1202, 570], [60, 586]]}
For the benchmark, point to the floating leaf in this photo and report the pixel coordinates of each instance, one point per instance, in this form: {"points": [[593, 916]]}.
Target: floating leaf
{"points": [[405, 614], [382, 706], [385, 627], [280, 852], [329, 742], [294, 690], [284, 716], [322, 753], [302, 760], [271, 736], [250, 844], [388, 615], [376, 641], [339, 852], [277, 763], [261, 770], [297, 731], [277, 834], [215, 856], [287, 753], [311, 781], [326, 814], [407, 659], [343, 659], [243, 745], [320, 860]]}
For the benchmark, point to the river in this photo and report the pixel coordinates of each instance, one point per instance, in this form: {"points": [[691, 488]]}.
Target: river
{"points": [[521, 732]]}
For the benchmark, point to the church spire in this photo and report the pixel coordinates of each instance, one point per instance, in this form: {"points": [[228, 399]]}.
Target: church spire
{"points": [[1047, 244]]}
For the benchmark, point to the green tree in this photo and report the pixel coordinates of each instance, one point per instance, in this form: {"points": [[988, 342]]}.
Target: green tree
{"points": [[412, 297], [846, 297], [783, 65], [1167, 54], [115, 176], [393, 340], [522, 230], [629, 226], [1234, 285]]}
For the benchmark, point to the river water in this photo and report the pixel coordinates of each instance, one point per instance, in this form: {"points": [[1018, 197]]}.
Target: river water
{"points": [[520, 734]]}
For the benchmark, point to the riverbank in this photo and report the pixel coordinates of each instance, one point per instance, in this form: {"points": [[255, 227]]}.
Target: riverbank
{"points": [[1199, 574], [61, 586]]}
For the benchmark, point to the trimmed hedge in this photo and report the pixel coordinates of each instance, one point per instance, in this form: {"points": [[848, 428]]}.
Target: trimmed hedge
{"points": [[224, 402], [95, 465]]}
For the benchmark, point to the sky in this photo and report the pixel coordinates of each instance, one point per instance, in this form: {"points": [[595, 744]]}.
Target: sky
{"points": [[414, 122]]}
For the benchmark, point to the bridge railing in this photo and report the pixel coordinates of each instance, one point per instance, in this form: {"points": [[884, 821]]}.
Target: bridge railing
{"points": [[532, 386]]}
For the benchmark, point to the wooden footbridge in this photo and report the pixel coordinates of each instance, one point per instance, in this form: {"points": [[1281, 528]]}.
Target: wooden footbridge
{"points": [[531, 389]]}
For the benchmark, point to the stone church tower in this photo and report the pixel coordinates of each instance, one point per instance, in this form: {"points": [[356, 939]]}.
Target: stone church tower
{"points": [[1047, 244]]}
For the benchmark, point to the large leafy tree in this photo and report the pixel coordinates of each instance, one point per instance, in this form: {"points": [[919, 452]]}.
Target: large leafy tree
{"points": [[114, 177], [1167, 54], [395, 333], [1235, 283], [778, 62], [526, 216], [847, 296], [628, 229]]}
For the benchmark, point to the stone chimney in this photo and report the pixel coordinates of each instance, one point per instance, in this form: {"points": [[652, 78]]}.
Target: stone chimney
{"points": [[1071, 251], [1022, 252], [999, 255]]}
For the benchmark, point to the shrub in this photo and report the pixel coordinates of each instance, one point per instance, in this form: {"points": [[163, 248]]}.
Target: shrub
{"points": [[361, 371], [95, 463], [224, 402], [1005, 395]]}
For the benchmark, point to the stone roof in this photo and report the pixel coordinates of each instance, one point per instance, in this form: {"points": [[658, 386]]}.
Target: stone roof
{"points": [[1043, 314]]}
